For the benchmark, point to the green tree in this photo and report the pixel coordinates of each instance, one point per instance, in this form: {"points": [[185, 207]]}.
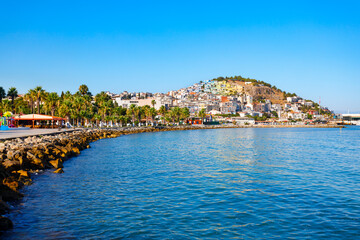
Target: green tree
{"points": [[175, 113], [202, 114], [185, 113], [131, 112], [21, 106], [12, 93], [162, 112], [40, 94], [153, 102], [84, 90], [137, 113], [275, 114], [51, 102], [30, 97], [147, 113], [152, 114], [2, 94], [6, 105]]}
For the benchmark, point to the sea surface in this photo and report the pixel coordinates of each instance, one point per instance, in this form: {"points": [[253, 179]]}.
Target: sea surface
{"points": [[203, 184]]}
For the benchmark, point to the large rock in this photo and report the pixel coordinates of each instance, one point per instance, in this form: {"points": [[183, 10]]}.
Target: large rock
{"points": [[4, 207], [75, 150], [7, 194], [11, 165], [30, 155], [10, 154], [56, 163], [5, 224], [56, 151], [12, 182], [38, 163], [24, 173], [59, 170]]}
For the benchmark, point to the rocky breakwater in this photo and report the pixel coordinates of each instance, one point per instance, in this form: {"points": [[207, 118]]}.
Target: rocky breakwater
{"points": [[22, 157]]}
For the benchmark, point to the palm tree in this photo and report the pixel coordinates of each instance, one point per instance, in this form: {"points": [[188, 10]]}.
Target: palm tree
{"points": [[162, 112], [65, 106], [6, 105], [175, 113], [185, 113], [137, 113], [40, 94], [147, 113], [12, 93], [131, 112], [51, 102], [84, 90], [202, 114], [28, 98], [121, 119], [79, 112], [152, 114], [21, 106], [31, 98], [153, 102], [2, 94], [97, 118]]}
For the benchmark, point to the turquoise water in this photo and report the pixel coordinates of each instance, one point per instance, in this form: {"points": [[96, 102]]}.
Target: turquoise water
{"points": [[201, 184]]}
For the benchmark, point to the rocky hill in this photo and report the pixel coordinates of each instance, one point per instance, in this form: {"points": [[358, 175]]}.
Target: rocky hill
{"points": [[259, 90]]}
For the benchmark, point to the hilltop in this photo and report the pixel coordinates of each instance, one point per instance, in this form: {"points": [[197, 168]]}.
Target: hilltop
{"points": [[259, 90]]}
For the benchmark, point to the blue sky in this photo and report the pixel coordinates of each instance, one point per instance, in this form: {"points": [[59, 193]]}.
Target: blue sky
{"points": [[308, 47]]}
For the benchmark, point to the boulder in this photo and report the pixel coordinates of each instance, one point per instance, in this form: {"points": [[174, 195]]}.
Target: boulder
{"points": [[64, 150], [11, 164], [25, 180], [39, 163], [24, 173], [56, 163], [4, 207], [8, 194], [5, 223], [12, 183], [10, 154], [59, 170], [75, 150], [56, 151], [30, 155]]}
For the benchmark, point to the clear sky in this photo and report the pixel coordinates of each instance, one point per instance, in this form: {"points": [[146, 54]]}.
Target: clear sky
{"points": [[308, 47]]}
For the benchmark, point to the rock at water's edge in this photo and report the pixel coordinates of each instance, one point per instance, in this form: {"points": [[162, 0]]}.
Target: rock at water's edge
{"points": [[59, 170], [56, 163], [5, 224]]}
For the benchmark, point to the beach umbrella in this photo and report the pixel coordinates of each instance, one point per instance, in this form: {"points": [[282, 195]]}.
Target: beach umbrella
{"points": [[7, 114]]}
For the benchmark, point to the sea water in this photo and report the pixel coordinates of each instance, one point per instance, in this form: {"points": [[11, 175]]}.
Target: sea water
{"points": [[201, 184]]}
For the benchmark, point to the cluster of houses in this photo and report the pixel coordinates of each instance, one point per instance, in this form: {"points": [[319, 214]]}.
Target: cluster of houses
{"points": [[221, 98]]}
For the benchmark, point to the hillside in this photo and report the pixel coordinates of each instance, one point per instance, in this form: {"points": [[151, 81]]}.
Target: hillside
{"points": [[259, 90]]}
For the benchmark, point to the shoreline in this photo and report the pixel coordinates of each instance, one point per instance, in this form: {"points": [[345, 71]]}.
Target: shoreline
{"points": [[14, 134], [23, 156]]}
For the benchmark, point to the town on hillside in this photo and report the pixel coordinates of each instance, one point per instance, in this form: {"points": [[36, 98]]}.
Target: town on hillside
{"points": [[237, 100], [231, 100]]}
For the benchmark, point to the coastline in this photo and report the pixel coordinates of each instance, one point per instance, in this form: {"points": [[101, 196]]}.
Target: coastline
{"points": [[14, 134], [23, 156]]}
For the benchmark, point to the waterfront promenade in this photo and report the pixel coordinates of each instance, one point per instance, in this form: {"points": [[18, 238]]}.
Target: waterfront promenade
{"points": [[20, 133]]}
